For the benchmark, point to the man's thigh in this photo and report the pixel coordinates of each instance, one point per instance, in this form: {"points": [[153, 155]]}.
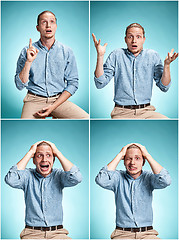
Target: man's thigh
{"points": [[58, 234], [69, 110], [32, 234], [122, 113], [32, 104], [149, 113], [143, 113], [120, 234], [151, 234]]}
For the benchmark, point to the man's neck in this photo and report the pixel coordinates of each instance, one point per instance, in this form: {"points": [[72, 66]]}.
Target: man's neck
{"points": [[47, 42]]}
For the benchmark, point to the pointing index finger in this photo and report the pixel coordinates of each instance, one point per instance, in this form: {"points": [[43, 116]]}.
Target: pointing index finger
{"points": [[30, 42]]}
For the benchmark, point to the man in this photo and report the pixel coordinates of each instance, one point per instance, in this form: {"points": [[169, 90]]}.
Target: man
{"points": [[133, 70], [47, 69], [43, 190], [133, 191]]}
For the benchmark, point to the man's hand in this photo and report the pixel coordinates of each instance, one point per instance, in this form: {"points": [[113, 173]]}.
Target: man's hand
{"points": [[144, 151], [123, 151], [31, 52], [45, 112], [170, 57], [54, 148], [100, 49], [33, 148]]}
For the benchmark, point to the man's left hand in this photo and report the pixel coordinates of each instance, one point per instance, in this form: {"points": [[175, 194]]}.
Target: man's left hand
{"points": [[170, 57], [45, 112]]}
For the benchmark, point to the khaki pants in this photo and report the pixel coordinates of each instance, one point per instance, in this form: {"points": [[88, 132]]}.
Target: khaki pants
{"points": [[38, 234], [120, 234], [143, 113], [66, 110]]}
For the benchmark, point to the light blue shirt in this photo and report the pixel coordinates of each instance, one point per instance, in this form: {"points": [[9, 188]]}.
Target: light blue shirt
{"points": [[133, 76], [133, 197], [43, 196], [53, 71]]}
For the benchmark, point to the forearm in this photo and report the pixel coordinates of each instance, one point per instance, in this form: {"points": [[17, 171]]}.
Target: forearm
{"points": [[155, 166], [21, 165], [62, 98], [66, 164], [166, 78], [113, 164], [99, 66], [24, 74]]}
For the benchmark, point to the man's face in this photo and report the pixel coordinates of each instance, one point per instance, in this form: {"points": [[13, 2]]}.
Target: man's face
{"points": [[47, 25], [43, 160], [135, 40], [133, 162]]}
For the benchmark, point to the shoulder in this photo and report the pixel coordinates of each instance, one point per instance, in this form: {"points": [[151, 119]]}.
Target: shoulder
{"points": [[63, 47], [119, 51], [150, 52]]}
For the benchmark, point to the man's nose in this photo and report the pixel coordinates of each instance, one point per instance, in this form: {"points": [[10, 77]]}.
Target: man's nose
{"points": [[134, 40], [132, 161], [48, 24]]}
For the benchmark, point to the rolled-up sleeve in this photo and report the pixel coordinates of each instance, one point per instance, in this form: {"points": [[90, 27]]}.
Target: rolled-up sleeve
{"points": [[71, 178], [71, 74], [108, 179], [109, 71], [158, 71], [16, 178], [20, 64], [161, 180]]}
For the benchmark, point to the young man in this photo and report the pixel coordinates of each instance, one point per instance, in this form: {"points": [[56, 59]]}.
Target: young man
{"points": [[133, 70], [133, 191], [47, 69], [43, 188]]}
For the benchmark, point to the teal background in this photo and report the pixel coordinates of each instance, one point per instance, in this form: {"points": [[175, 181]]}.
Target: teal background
{"points": [[108, 21], [160, 139], [18, 24], [72, 139]]}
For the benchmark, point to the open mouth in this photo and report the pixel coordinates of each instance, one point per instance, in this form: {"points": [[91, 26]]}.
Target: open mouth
{"points": [[48, 31], [134, 46], [44, 167]]}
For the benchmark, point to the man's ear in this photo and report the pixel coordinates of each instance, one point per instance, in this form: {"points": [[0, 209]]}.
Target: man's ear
{"points": [[125, 39], [37, 27]]}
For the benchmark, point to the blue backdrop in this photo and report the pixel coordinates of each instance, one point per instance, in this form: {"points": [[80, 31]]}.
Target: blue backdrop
{"points": [[18, 24], [108, 21], [72, 139], [160, 139]]}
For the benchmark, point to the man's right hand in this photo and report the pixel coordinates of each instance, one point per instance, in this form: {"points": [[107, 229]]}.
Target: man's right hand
{"points": [[33, 148], [100, 49], [31, 52], [123, 151]]}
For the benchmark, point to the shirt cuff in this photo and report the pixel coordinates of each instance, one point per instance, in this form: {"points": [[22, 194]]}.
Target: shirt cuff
{"points": [[71, 89], [19, 84], [163, 87]]}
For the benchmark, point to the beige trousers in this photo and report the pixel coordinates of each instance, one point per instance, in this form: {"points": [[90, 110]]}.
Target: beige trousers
{"points": [[66, 110], [120, 234], [38, 234], [143, 113]]}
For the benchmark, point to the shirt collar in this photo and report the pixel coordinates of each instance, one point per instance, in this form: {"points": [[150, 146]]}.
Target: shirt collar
{"points": [[40, 176], [130, 177], [43, 47], [131, 54]]}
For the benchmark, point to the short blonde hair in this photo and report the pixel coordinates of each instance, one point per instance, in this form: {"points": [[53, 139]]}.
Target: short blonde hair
{"points": [[135, 25]]}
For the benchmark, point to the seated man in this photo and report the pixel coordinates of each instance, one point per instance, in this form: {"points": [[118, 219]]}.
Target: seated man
{"points": [[47, 69], [133, 70], [133, 191], [43, 188]]}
